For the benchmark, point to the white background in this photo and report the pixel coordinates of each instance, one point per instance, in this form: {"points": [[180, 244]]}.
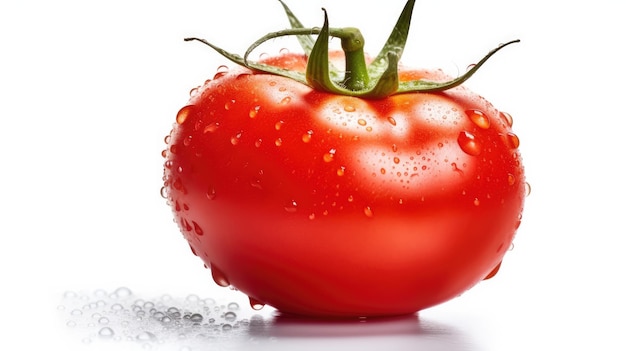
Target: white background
{"points": [[90, 88]]}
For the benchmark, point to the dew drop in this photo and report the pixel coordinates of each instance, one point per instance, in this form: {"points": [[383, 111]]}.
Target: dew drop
{"points": [[164, 192], [508, 119], [229, 104], [279, 125], [187, 140], [197, 229], [349, 108], [329, 156], [233, 306], [312, 216], [145, 336], [183, 114], [291, 206], [306, 137], [218, 276], [396, 160], [468, 144], [479, 118], [196, 318], [362, 122], [368, 212], [394, 148], [210, 194], [106, 332], [511, 179], [511, 140], [254, 111], [221, 71], [527, 188], [476, 202], [103, 320], [230, 316], [278, 142], [391, 120], [285, 100], [256, 304], [211, 127], [258, 143], [341, 171], [234, 140]]}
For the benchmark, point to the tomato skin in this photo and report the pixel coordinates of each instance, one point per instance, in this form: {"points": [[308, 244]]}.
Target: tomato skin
{"points": [[334, 206]]}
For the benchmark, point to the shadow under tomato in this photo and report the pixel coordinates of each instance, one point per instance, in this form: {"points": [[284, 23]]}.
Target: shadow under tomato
{"points": [[282, 332]]}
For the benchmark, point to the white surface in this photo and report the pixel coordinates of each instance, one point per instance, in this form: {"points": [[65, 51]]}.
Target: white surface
{"points": [[89, 90]]}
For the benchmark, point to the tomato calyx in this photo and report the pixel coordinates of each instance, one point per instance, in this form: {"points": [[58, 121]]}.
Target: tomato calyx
{"points": [[376, 80]]}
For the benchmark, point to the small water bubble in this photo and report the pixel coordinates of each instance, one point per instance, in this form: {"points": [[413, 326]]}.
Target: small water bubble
{"points": [[476, 202], [219, 277], [103, 320], [145, 336], [230, 316], [362, 122], [210, 194], [330, 155], [479, 118], [527, 188], [122, 293], [511, 140], [349, 108], [76, 312], [233, 306], [285, 100], [117, 307], [254, 111], [227, 327], [258, 143], [234, 140], [383, 171], [196, 318], [291, 206], [391, 120], [184, 113], [306, 137], [368, 212], [396, 160], [278, 125], [341, 171], [221, 71], [278, 142], [197, 229], [511, 179], [106, 332], [211, 127], [468, 143]]}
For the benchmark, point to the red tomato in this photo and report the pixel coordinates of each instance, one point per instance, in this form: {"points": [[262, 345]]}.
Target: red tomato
{"points": [[327, 205]]}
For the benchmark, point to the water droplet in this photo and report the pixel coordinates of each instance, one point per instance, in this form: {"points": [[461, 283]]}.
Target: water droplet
{"points": [[312, 216], [279, 125], [218, 277], [469, 144], [229, 104], [230, 316], [369, 128], [285, 100], [394, 148], [210, 194], [527, 188], [233, 306], [341, 171], [391, 120], [106, 332], [197, 229], [254, 111], [508, 119], [234, 140], [196, 318], [362, 122], [211, 127], [184, 113], [368, 212], [511, 179], [227, 327], [511, 140], [349, 108], [145, 336], [187, 140], [476, 202], [256, 304], [330, 155], [278, 142], [164, 192], [103, 320], [479, 118], [306, 137], [221, 71], [396, 160], [258, 143], [291, 206], [167, 139]]}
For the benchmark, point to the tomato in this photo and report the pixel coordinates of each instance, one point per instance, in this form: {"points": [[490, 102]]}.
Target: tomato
{"points": [[323, 204]]}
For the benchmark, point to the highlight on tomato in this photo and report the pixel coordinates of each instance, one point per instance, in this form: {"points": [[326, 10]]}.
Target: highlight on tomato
{"points": [[337, 184]]}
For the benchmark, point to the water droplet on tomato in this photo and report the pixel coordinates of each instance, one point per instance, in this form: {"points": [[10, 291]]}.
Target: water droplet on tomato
{"points": [[234, 140], [368, 212], [291, 206], [193, 92], [210, 194], [164, 192], [391, 120], [329, 156], [350, 198], [221, 71], [306, 137], [362, 122], [256, 304], [219, 277], [508, 119], [230, 316], [341, 171], [511, 140], [197, 228], [285, 100], [278, 142], [229, 104], [396, 160], [349, 108], [394, 148], [476, 202], [258, 143], [106, 332], [468, 143], [254, 111], [383, 171], [184, 113], [167, 139], [511, 179], [527, 188], [211, 127], [187, 140], [279, 125], [479, 118], [312, 216]]}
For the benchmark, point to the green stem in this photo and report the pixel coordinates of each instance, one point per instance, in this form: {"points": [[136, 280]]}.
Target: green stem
{"points": [[352, 42]]}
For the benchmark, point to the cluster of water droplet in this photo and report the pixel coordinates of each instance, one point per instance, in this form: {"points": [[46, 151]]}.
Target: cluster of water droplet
{"points": [[181, 324]]}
